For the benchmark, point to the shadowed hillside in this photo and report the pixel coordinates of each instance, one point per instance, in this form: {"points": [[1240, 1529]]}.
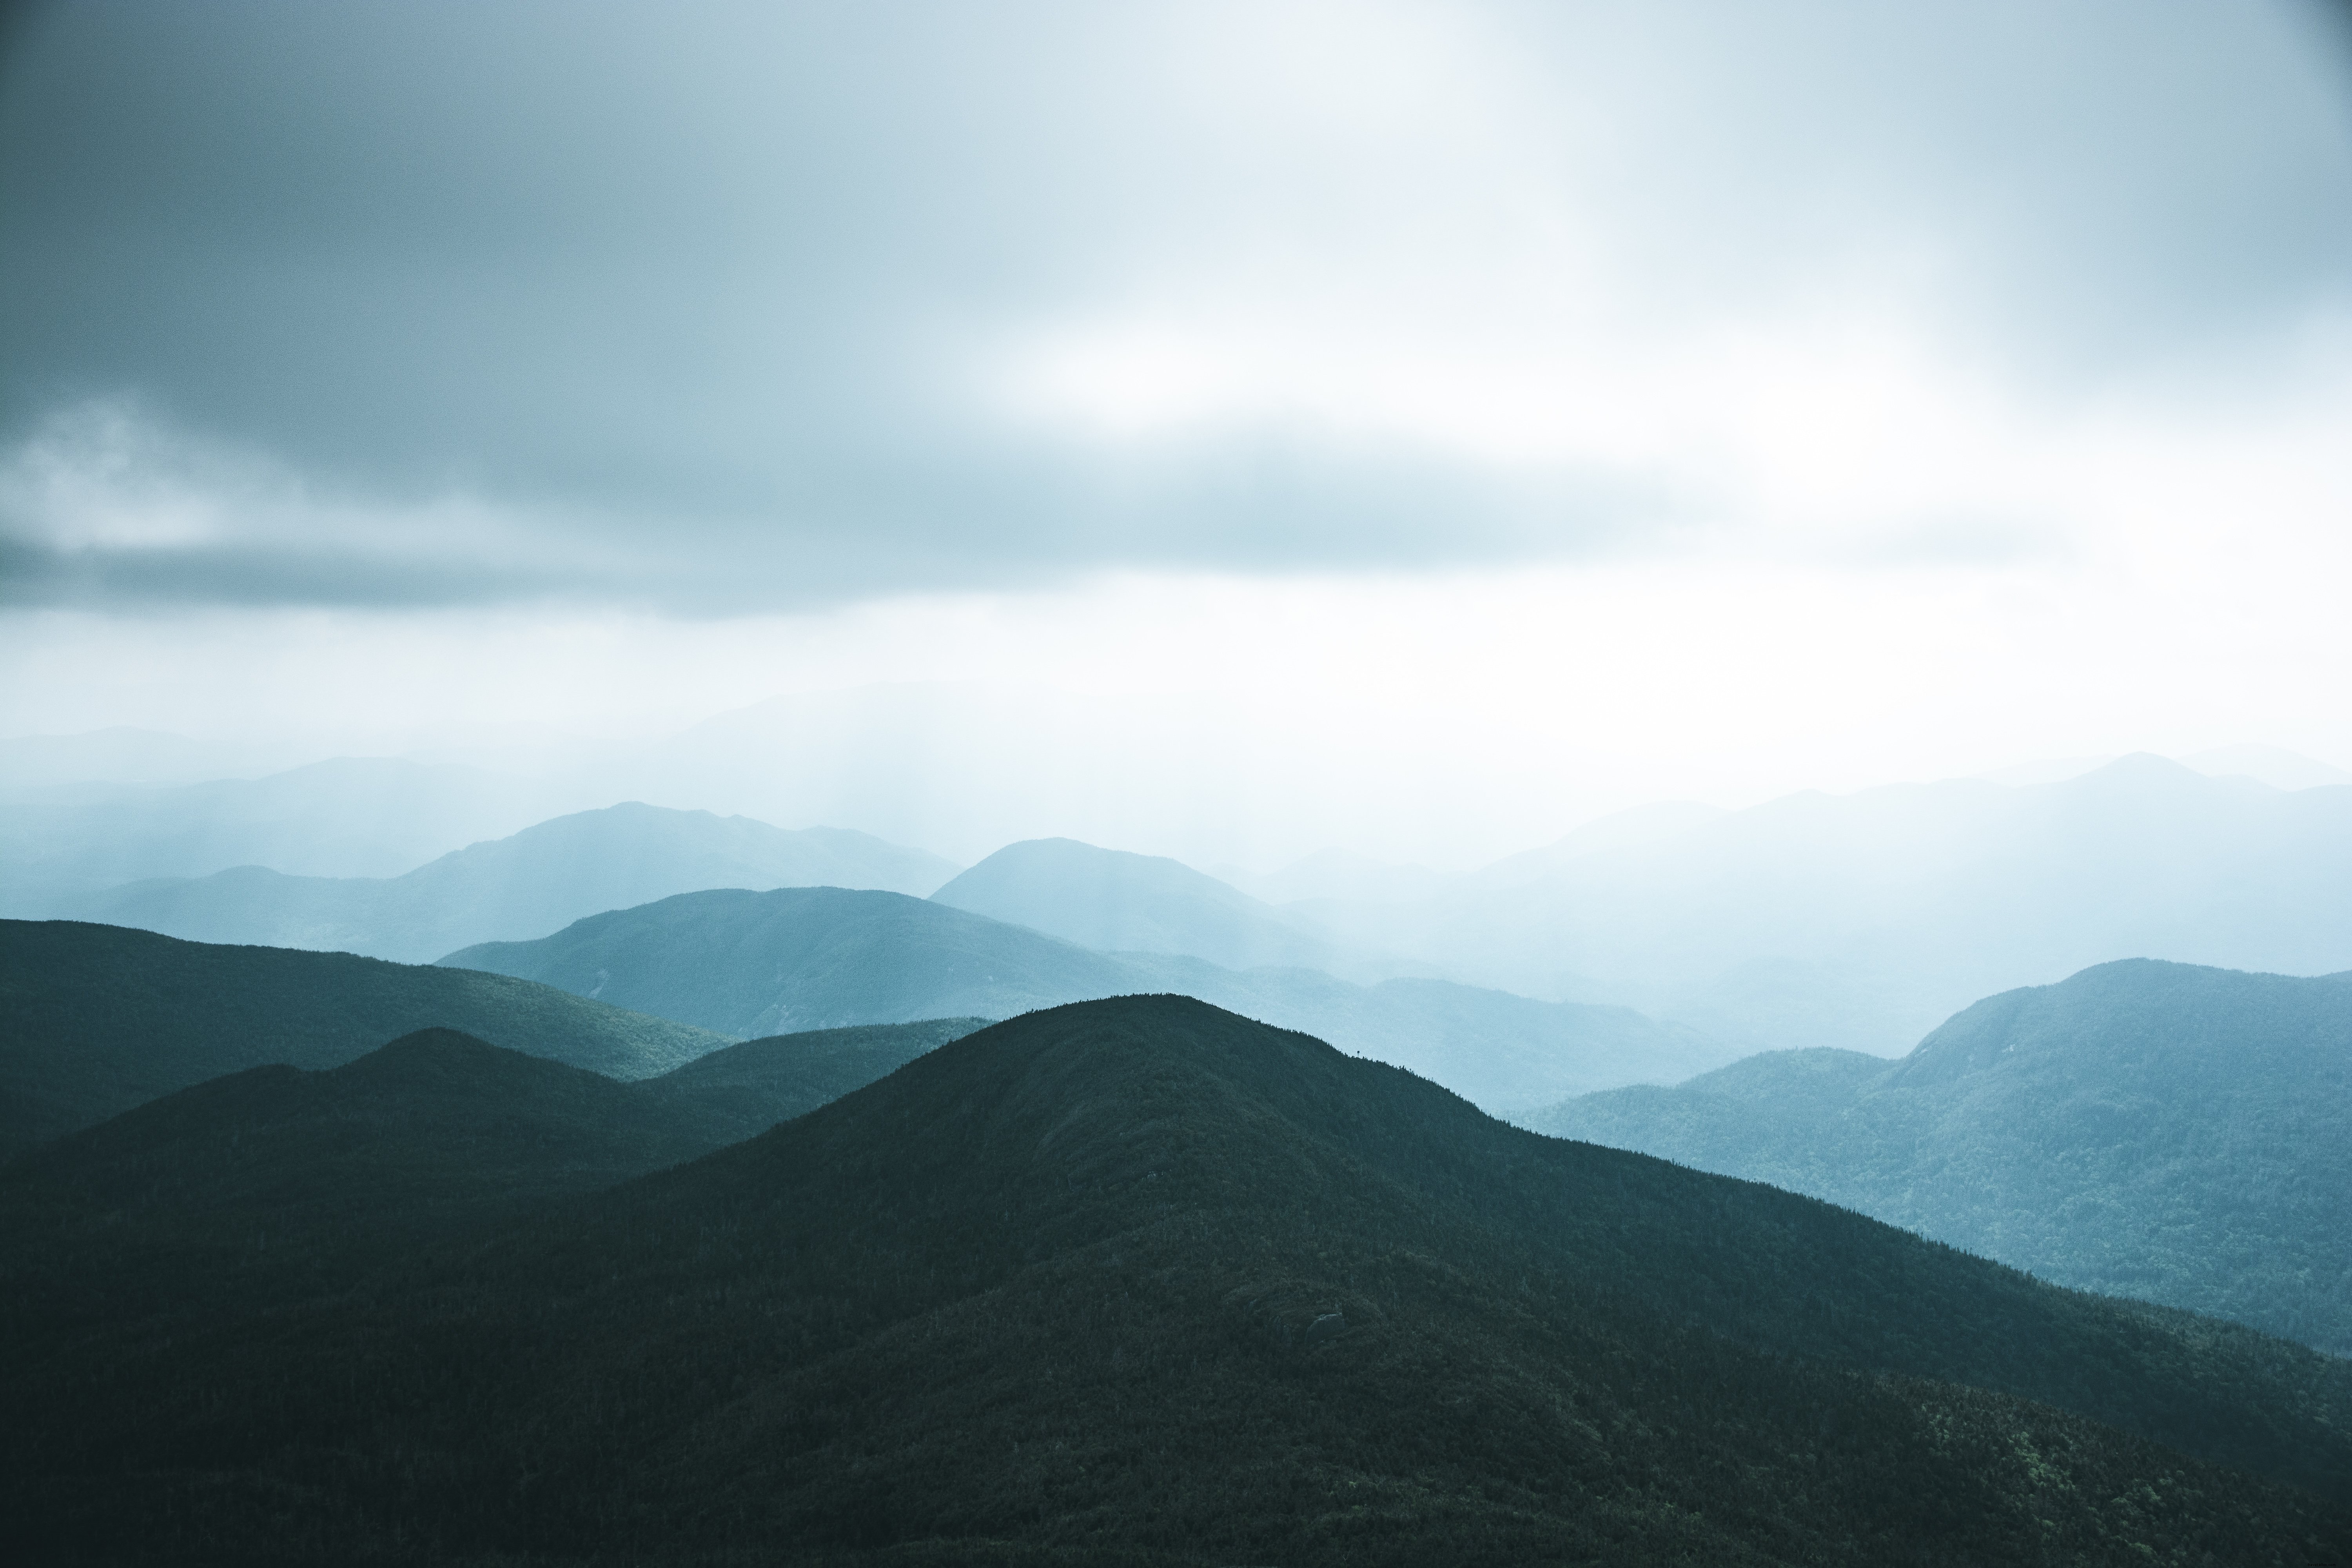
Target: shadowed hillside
{"points": [[2180, 1135], [95, 1019], [1140, 1281], [432, 1134]]}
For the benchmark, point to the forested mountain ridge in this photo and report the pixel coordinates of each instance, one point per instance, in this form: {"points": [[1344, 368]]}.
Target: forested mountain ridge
{"points": [[2167, 1132], [95, 1019], [1137, 1281], [430, 1135], [748, 963], [524, 886]]}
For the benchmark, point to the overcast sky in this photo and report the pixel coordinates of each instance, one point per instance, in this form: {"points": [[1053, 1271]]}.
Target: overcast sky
{"points": [[1642, 399]]}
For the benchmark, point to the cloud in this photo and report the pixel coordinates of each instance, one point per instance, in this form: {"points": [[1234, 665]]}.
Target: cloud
{"points": [[716, 309]]}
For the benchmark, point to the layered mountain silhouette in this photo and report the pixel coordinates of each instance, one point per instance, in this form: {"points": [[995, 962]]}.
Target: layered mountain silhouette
{"points": [[756, 963], [2176, 1134], [524, 886], [1863, 920], [100, 1019], [1136, 1281], [182, 1200], [1114, 901], [351, 816]]}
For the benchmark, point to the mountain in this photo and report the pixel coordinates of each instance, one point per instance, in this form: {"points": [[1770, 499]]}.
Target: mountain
{"points": [[527, 885], [436, 1130], [2274, 765], [748, 963], [1510, 1056], [805, 958], [1137, 1281], [1861, 922], [354, 816], [739, 1090], [2176, 1134], [98, 1019], [1114, 901]]}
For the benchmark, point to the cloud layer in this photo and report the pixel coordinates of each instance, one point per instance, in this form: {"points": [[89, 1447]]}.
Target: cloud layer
{"points": [[717, 309]]}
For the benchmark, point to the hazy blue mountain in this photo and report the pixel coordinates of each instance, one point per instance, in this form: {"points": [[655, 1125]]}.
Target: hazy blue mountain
{"points": [[355, 816], [524, 886], [1863, 920], [95, 1019], [754, 963], [1508, 1055], [1114, 901], [748, 963], [1132, 1281], [2176, 1134]]}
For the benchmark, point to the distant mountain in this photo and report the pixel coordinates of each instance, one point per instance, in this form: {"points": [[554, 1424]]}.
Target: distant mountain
{"points": [[2180, 1135], [1114, 901], [1508, 1055], [754, 963], [354, 817], [748, 963], [1138, 1281], [1863, 920], [98, 1019], [524, 886]]}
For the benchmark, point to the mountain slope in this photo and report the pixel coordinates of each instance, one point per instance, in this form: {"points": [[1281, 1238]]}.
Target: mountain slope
{"points": [[807, 958], [1114, 901], [1138, 1281], [95, 1020], [432, 1134], [739, 1090], [520, 887], [2161, 1131]]}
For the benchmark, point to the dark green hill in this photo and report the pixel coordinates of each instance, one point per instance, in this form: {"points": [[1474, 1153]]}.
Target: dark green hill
{"points": [[806, 958], [1138, 1281], [524, 886], [95, 1020], [432, 1136], [2176, 1134], [740, 1090]]}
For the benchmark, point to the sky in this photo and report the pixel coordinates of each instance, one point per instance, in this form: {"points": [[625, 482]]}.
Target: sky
{"points": [[1448, 421]]}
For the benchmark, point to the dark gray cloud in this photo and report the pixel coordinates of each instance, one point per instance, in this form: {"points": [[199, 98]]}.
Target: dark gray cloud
{"points": [[709, 298]]}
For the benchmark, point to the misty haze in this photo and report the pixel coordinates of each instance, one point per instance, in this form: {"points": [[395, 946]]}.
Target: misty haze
{"points": [[1176, 784]]}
